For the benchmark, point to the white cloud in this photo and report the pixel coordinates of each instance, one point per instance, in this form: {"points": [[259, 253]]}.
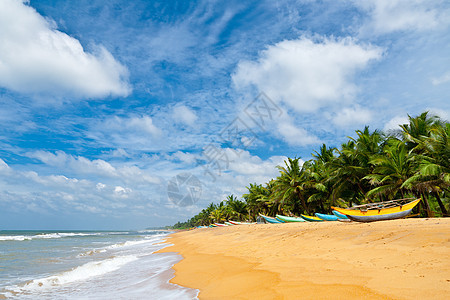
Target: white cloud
{"points": [[82, 165], [3, 166], [143, 123], [129, 133], [396, 15], [395, 122], [442, 79], [122, 192], [307, 74], [37, 58], [254, 166], [352, 116], [182, 114], [441, 113], [184, 157], [296, 136]]}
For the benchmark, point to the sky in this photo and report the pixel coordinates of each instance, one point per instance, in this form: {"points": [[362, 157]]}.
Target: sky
{"points": [[134, 114]]}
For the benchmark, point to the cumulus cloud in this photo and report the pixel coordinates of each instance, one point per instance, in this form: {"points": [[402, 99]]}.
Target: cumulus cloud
{"points": [[182, 114], [126, 132], [306, 73], [82, 165], [352, 116], [396, 15], [395, 122], [252, 165], [296, 136], [35, 57]]}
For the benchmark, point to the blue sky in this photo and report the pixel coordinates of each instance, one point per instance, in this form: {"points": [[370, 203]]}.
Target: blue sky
{"points": [[103, 103]]}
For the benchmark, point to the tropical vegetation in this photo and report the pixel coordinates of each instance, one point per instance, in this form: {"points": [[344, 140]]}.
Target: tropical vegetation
{"points": [[411, 162]]}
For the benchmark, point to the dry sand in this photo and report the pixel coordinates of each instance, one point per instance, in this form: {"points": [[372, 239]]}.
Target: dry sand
{"points": [[401, 259]]}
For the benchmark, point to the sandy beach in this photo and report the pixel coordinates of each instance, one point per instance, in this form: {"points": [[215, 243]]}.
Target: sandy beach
{"points": [[401, 259]]}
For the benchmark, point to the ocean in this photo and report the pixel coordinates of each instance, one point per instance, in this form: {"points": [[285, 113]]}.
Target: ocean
{"points": [[87, 265]]}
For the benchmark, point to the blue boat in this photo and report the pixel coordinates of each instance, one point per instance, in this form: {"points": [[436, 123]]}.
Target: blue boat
{"points": [[327, 217], [271, 220], [339, 215]]}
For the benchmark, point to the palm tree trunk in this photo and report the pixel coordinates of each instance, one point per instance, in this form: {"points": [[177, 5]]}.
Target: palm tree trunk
{"points": [[441, 205], [427, 206], [305, 207]]}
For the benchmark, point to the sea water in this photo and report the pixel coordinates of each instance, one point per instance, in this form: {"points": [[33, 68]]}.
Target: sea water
{"points": [[87, 265]]}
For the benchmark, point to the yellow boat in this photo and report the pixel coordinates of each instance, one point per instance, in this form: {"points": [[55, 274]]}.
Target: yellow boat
{"points": [[389, 210], [311, 218]]}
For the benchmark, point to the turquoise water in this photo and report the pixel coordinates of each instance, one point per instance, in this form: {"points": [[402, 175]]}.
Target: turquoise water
{"points": [[87, 265]]}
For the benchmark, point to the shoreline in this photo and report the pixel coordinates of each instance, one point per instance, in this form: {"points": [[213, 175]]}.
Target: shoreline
{"points": [[399, 259]]}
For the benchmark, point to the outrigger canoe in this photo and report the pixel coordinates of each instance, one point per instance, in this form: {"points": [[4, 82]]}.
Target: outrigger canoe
{"points": [[229, 224], [289, 219], [242, 223], [389, 210], [271, 219], [311, 218], [339, 215], [326, 217], [220, 225]]}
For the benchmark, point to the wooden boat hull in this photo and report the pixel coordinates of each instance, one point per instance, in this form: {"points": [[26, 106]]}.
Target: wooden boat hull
{"points": [[326, 217], [271, 220], [229, 224], [242, 223], [339, 215], [289, 219], [383, 214], [311, 218]]}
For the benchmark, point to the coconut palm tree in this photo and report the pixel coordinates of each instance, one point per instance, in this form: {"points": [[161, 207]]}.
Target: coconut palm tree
{"points": [[238, 208], [418, 128], [391, 170], [433, 174], [288, 188], [415, 134]]}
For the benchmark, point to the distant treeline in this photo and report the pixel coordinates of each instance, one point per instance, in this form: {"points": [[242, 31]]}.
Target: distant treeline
{"points": [[413, 161]]}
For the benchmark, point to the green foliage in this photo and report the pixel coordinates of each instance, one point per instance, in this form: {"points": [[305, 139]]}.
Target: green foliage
{"points": [[369, 168]]}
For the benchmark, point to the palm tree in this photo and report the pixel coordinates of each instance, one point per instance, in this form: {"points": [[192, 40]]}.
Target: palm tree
{"points": [[257, 199], [319, 171], [434, 163], [418, 128], [237, 207], [391, 170], [289, 187], [415, 133]]}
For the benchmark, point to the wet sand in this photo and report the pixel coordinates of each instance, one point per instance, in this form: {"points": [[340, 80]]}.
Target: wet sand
{"points": [[400, 259]]}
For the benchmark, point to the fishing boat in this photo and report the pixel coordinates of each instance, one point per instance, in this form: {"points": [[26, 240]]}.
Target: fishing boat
{"points": [[242, 223], [271, 219], [339, 215], [311, 218], [229, 223], [388, 210], [289, 219], [326, 217], [220, 225]]}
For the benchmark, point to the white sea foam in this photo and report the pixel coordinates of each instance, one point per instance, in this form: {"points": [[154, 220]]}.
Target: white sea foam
{"points": [[56, 235], [128, 243], [15, 237], [123, 270], [83, 272]]}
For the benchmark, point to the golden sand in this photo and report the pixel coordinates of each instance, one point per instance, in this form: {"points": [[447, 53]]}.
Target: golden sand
{"points": [[401, 259]]}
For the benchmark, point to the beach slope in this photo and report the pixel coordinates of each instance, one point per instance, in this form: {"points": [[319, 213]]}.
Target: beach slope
{"points": [[400, 259]]}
